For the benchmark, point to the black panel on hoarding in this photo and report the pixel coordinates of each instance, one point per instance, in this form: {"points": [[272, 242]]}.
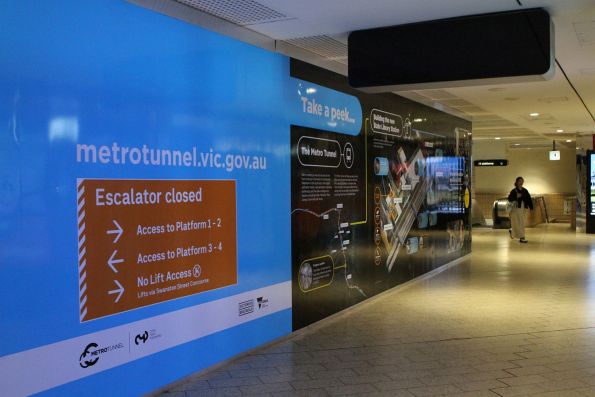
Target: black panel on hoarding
{"points": [[515, 43], [384, 249]]}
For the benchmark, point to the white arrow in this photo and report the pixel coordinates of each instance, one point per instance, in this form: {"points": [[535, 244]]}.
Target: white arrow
{"points": [[111, 261], [118, 232], [118, 291]]}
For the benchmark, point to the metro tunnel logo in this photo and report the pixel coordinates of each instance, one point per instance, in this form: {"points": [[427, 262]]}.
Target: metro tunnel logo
{"points": [[83, 361], [92, 353]]}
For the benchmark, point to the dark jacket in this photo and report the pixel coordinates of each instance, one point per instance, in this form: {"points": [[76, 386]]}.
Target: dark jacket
{"points": [[525, 197]]}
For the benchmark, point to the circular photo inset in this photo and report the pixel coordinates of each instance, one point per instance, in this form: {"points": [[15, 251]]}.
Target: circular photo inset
{"points": [[305, 276]]}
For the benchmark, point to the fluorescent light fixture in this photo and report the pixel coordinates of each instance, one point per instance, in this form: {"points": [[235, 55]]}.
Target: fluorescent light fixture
{"points": [[497, 138], [64, 128], [569, 140], [517, 144], [534, 114], [418, 120], [559, 130]]}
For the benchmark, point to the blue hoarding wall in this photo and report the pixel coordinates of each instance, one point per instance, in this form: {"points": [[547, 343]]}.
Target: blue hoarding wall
{"points": [[107, 92]]}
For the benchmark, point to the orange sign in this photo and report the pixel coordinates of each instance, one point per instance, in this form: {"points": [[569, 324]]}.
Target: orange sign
{"points": [[147, 241]]}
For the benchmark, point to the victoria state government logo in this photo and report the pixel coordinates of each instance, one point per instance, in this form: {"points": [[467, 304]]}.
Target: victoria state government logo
{"points": [[141, 338], [92, 352]]}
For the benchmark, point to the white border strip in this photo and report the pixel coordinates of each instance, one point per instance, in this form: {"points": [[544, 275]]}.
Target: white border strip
{"points": [[48, 366]]}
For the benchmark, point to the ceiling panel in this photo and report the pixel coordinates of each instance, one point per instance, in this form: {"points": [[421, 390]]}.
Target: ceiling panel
{"points": [[316, 31]]}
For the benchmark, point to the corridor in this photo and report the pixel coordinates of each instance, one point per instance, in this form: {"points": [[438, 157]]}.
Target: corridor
{"points": [[508, 320]]}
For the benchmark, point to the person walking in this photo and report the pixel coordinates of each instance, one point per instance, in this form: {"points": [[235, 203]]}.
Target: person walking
{"points": [[520, 199]]}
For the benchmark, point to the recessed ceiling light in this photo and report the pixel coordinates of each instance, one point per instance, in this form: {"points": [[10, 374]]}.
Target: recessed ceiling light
{"points": [[534, 114], [569, 140], [497, 138], [559, 130], [517, 144]]}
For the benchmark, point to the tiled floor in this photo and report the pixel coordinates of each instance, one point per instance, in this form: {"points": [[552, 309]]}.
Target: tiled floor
{"points": [[511, 320]]}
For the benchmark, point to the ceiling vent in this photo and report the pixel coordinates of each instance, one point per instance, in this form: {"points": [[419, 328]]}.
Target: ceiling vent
{"points": [[559, 135], [324, 46], [437, 95], [541, 117], [471, 109], [553, 99], [492, 123], [530, 146], [239, 12], [486, 117]]}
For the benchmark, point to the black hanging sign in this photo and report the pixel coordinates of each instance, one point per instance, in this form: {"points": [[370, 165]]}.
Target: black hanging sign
{"points": [[491, 163]]}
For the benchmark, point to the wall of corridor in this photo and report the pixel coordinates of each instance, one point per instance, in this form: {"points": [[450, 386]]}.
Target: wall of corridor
{"points": [[554, 180]]}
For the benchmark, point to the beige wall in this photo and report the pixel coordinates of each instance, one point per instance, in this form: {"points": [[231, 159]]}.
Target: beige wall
{"points": [[541, 175], [552, 203]]}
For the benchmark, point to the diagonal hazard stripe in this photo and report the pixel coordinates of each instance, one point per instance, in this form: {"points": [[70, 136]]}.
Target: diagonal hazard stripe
{"points": [[81, 205], [83, 313], [82, 228], [80, 193], [82, 240], [82, 252], [81, 217], [82, 265], [84, 301]]}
